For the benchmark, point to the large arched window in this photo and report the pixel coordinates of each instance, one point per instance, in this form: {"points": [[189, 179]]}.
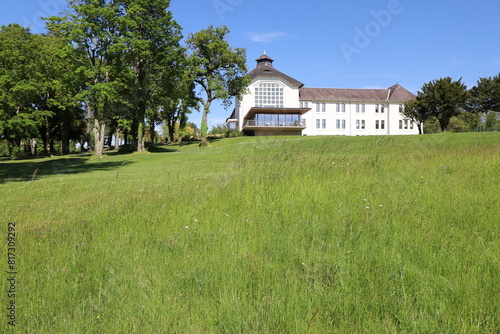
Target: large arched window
{"points": [[269, 95]]}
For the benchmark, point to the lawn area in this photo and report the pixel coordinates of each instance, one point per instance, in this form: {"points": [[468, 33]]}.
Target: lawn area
{"points": [[389, 234]]}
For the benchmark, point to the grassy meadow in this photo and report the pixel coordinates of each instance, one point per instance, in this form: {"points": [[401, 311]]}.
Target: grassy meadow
{"points": [[384, 234]]}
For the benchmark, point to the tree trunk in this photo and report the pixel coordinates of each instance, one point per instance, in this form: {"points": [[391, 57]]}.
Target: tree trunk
{"points": [[171, 130], [87, 129], [6, 145], [48, 146], [99, 136], [117, 138], [64, 136], [140, 138], [204, 125]]}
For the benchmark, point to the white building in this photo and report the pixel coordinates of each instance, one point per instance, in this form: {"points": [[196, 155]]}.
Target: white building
{"points": [[277, 104]]}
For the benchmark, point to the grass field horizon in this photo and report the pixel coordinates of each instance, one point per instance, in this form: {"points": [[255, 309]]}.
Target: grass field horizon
{"points": [[387, 234]]}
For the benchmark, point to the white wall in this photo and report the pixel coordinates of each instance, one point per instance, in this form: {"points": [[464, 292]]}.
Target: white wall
{"points": [[391, 115]]}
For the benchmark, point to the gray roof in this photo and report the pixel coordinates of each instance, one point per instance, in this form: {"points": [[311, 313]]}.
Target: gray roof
{"points": [[396, 93]]}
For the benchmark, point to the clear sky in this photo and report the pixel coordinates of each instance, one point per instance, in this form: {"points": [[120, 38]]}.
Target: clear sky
{"points": [[338, 44]]}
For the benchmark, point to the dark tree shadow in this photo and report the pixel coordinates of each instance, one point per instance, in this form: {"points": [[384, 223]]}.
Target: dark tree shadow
{"points": [[27, 170]]}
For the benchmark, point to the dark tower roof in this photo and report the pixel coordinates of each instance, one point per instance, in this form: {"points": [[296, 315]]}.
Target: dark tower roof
{"points": [[264, 60], [265, 68]]}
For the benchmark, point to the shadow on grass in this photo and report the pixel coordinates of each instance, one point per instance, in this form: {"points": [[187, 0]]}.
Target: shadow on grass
{"points": [[33, 169]]}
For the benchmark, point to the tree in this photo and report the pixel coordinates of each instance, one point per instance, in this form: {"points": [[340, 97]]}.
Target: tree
{"points": [[20, 116], [485, 96], [92, 26], [491, 121], [153, 52], [443, 98], [414, 111], [178, 103], [60, 83], [219, 70]]}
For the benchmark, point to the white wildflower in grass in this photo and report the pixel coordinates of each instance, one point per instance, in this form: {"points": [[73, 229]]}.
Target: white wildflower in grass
{"points": [[305, 265], [186, 226], [367, 207], [227, 215], [381, 205], [195, 220]]}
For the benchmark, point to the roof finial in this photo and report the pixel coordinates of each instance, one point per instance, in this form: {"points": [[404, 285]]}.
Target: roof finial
{"points": [[265, 52]]}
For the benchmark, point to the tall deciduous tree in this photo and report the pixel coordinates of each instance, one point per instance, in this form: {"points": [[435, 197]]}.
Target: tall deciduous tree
{"points": [[414, 111], [93, 27], [153, 52], [20, 117], [60, 83], [443, 98], [219, 69]]}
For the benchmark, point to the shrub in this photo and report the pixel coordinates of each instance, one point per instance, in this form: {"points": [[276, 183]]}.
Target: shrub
{"points": [[457, 125], [431, 125]]}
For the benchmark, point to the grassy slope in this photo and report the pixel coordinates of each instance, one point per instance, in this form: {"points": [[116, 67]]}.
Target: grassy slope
{"points": [[263, 235]]}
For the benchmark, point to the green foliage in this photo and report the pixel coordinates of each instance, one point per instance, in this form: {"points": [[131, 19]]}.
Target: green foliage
{"points": [[431, 125], [492, 121], [414, 110], [224, 130], [218, 69], [457, 125], [443, 99], [485, 96], [20, 85]]}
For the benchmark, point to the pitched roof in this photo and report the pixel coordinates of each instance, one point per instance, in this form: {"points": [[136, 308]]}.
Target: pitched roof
{"points": [[265, 68], [395, 93], [400, 94]]}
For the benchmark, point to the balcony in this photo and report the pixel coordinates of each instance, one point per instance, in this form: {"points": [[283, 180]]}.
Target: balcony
{"points": [[296, 124]]}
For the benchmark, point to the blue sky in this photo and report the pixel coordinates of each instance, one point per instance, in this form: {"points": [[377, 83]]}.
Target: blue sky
{"points": [[338, 44]]}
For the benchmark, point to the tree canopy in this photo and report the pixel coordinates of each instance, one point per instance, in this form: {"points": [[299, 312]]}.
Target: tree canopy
{"points": [[219, 70], [443, 98]]}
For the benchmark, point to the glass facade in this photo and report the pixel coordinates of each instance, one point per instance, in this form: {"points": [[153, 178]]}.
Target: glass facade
{"points": [[269, 95], [277, 120]]}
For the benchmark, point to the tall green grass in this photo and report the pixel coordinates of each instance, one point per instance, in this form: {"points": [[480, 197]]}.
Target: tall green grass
{"points": [[261, 235]]}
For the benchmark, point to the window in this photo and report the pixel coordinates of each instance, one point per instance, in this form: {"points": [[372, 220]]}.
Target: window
{"points": [[363, 108], [362, 124], [338, 124], [301, 105], [323, 123], [269, 95], [306, 105], [338, 107], [323, 107], [400, 124], [343, 124], [376, 108], [318, 123], [377, 124], [343, 107], [317, 107], [411, 125], [357, 124], [401, 108], [382, 124], [382, 108], [357, 108], [406, 124]]}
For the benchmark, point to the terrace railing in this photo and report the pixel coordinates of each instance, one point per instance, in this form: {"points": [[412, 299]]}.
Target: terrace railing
{"points": [[296, 124]]}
